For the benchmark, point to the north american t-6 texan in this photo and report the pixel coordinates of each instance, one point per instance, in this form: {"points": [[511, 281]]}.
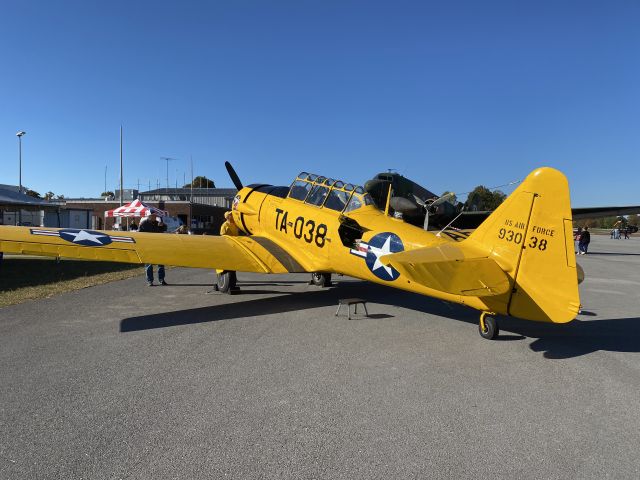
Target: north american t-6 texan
{"points": [[520, 261]]}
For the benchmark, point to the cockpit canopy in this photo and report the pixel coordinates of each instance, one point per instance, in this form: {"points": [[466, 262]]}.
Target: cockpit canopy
{"points": [[328, 193]]}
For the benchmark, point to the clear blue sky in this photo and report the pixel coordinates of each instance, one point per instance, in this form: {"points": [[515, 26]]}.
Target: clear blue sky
{"points": [[452, 94]]}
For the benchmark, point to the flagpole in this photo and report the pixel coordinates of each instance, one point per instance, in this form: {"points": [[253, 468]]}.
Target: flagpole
{"points": [[121, 181], [191, 198], [115, 220]]}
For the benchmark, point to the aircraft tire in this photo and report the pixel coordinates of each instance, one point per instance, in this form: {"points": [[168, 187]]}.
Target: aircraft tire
{"points": [[490, 330], [226, 281], [321, 279]]}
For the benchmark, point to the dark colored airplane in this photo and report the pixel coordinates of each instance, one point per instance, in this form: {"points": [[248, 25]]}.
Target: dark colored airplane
{"points": [[418, 206]]}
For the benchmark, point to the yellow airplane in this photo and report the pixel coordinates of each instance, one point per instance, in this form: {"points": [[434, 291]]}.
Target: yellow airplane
{"points": [[519, 262]]}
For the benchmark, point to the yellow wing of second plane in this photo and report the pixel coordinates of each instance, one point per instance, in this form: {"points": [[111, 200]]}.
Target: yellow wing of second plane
{"points": [[247, 254]]}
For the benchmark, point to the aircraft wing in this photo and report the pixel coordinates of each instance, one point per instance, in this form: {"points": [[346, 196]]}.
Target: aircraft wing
{"points": [[245, 254], [595, 212], [471, 220], [452, 269]]}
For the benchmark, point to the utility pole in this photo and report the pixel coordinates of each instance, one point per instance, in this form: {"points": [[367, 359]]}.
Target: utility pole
{"points": [[168, 159], [105, 179]]}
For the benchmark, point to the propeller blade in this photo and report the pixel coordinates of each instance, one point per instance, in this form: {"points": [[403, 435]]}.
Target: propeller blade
{"points": [[234, 176]]}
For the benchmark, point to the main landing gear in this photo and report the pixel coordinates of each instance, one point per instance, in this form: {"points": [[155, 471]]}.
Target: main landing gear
{"points": [[320, 279], [488, 326], [226, 282]]}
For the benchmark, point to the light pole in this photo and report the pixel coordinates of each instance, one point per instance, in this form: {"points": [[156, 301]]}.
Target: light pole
{"points": [[168, 159], [20, 135]]}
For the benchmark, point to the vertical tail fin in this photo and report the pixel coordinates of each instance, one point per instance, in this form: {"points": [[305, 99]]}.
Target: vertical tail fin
{"points": [[531, 237]]}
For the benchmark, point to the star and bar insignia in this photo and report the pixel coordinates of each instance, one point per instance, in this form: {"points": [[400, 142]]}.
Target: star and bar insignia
{"points": [[380, 245], [86, 238]]}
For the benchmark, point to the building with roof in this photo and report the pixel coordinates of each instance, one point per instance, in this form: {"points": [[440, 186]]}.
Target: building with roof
{"points": [[19, 208], [216, 197], [203, 212]]}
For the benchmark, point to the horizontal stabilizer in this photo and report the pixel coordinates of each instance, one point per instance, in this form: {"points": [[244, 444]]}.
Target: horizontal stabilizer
{"points": [[451, 269]]}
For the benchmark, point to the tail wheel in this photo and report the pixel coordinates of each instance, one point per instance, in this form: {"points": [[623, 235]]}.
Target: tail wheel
{"points": [[321, 279], [226, 281], [488, 326]]}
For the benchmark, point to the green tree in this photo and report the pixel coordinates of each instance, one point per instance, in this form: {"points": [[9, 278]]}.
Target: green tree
{"points": [[201, 182], [32, 193], [481, 198], [108, 194], [49, 196], [634, 220]]}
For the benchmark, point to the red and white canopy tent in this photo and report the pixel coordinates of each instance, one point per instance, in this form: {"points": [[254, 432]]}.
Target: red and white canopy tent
{"points": [[135, 209]]}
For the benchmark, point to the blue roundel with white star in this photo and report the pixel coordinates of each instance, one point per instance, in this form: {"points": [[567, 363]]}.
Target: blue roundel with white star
{"points": [[380, 245], [88, 238]]}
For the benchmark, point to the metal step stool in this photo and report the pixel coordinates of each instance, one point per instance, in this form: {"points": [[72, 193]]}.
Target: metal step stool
{"points": [[352, 301]]}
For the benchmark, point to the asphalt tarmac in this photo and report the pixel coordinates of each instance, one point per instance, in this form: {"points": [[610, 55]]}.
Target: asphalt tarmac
{"points": [[126, 381]]}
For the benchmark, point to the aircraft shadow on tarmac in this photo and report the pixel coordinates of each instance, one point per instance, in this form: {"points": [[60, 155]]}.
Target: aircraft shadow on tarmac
{"points": [[289, 302], [275, 284], [579, 337], [574, 339], [615, 254], [287, 283]]}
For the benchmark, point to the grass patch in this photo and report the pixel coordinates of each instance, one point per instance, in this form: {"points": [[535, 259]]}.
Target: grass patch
{"points": [[27, 278]]}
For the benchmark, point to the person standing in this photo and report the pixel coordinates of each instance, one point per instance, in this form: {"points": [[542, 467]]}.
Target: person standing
{"points": [[229, 226], [585, 239], [151, 224]]}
